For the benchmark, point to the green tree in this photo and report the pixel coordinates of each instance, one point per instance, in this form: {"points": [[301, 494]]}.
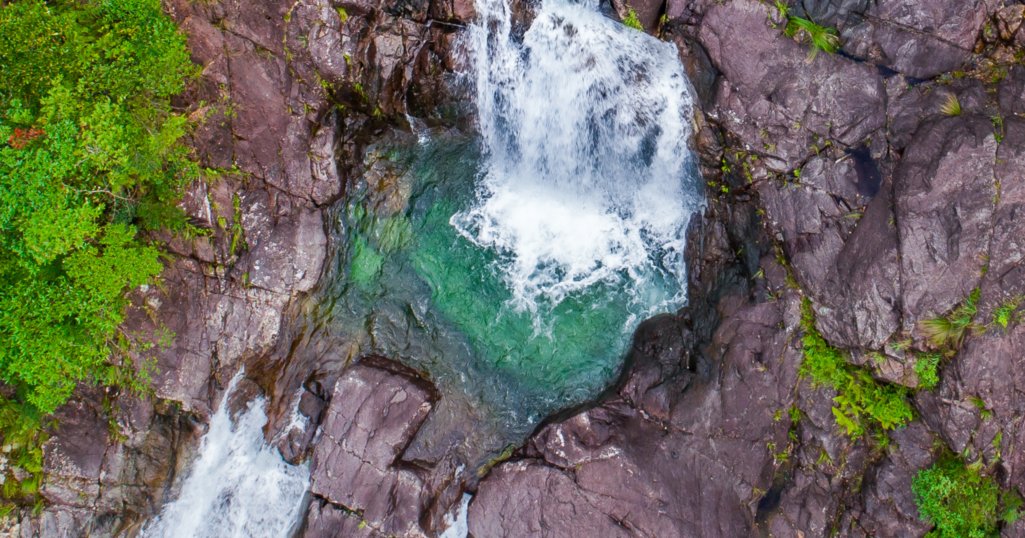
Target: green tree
{"points": [[90, 160]]}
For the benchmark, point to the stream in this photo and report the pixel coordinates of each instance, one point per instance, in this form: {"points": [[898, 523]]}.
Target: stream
{"points": [[511, 266]]}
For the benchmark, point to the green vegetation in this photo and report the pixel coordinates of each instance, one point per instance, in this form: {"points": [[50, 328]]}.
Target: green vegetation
{"points": [[950, 330], [926, 366], [90, 160], [960, 501], [1004, 314], [823, 38], [951, 107], [632, 21], [861, 403]]}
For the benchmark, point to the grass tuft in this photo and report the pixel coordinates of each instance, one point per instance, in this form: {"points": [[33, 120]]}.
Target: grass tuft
{"points": [[950, 330], [951, 107], [823, 38]]}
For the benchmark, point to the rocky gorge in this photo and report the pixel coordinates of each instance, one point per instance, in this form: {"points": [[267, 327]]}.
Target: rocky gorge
{"points": [[842, 184]]}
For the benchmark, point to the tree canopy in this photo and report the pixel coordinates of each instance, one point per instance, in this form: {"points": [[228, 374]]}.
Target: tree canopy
{"points": [[91, 159]]}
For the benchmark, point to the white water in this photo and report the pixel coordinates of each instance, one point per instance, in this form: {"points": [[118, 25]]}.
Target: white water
{"points": [[239, 487], [457, 526], [585, 126]]}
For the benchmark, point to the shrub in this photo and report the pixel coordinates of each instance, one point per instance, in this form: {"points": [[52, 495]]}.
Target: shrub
{"points": [[959, 501], [90, 157], [861, 401]]}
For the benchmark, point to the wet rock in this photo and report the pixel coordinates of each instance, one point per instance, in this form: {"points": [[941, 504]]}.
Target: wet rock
{"points": [[325, 520], [74, 459], [373, 414], [886, 509], [647, 12], [527, 498], [611, 464], [455, 11]]}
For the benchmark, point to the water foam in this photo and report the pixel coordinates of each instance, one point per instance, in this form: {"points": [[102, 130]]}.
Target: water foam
{"points": [[585, 125], [239, 487]]}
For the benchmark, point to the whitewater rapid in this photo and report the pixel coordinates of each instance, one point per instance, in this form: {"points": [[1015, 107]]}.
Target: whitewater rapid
{"points": [[239, 487], [587, 176]]}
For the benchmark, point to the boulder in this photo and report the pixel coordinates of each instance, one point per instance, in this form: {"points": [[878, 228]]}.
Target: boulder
{"points": [[375, 411], [920, 39]]}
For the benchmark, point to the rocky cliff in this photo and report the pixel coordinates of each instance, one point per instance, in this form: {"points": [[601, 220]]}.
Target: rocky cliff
{"points": [[843, 181]]}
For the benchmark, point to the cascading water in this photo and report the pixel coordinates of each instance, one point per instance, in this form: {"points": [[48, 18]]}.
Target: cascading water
{"points": [[238, 487], [585, 126], [513, 267]]}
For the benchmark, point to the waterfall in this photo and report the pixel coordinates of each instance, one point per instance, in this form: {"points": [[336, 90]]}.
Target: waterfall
{"points": [[588, 177], [238, 487]]}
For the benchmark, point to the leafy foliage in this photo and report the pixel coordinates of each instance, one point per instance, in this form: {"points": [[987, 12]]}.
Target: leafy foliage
{"points": [[23, 449], [1004, 314], [926, 365], [632, 21], [89, 157], [960, 501], [861, 401]]}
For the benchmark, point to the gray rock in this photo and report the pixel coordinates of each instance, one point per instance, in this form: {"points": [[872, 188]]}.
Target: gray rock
{"points": [[944, 192], [919, 39]]}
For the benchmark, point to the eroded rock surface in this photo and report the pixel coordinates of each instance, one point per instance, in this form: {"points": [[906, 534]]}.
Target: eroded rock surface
{"points": [[375, 411], [850, 181], [845, 180]]}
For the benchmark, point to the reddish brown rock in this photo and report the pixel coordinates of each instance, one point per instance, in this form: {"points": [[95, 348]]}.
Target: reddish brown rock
{"points": [[373, 415]]}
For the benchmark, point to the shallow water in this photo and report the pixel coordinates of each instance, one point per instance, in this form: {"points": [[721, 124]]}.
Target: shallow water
{"points": [[513, 267]]}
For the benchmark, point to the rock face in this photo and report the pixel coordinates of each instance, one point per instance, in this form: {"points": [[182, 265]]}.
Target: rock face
{"points": [[289, 93], [846, 180], [886, 208], [374, 413]]}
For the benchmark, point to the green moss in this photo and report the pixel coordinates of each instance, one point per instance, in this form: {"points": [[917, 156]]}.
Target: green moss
{"points": [[861, 402]]}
